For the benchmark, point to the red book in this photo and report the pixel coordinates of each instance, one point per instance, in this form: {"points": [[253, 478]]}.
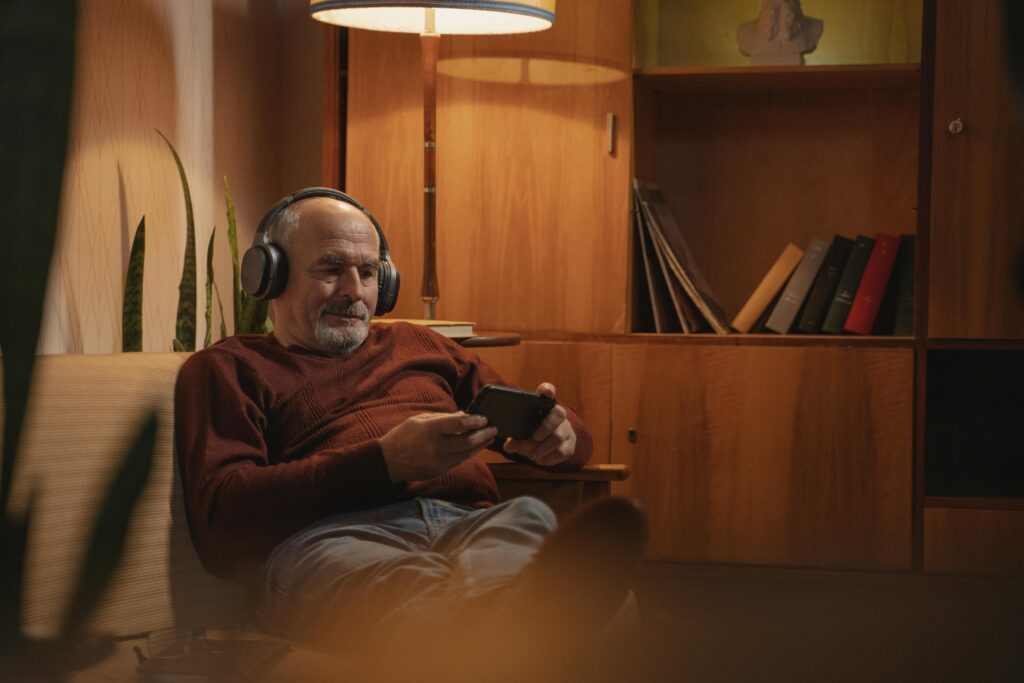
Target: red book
{"points": [[872, 285]]}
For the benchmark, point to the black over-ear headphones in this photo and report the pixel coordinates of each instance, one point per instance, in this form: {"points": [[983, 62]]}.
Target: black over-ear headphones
{"points": [[265, 267]]}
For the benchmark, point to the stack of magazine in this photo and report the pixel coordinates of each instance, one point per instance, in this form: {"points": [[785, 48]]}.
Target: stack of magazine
{"points": [[681, 300]]}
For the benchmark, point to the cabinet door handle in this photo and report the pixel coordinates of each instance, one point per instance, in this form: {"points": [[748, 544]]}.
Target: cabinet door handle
{"points": [[956, 126], [611, 132]]}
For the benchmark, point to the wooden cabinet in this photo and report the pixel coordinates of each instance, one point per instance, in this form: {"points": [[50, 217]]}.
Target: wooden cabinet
{"points": [[977, 230], [768, 454], [782, 450], [973, 438]]}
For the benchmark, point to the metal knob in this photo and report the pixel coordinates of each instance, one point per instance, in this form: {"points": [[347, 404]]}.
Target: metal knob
{"points": [[956, 126]]}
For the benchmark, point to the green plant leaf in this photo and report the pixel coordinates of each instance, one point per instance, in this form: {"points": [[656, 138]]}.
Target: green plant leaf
{"points": [[185, 329], [250, 314], [37, 50], [209, 290], [254, 315], [131, 308], [236, 287], [220, 305], [176, 345], [106, 541]]}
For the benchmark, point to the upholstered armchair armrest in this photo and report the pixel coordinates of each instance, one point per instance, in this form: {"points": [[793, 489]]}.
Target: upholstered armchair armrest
{"points": [[563, 491]]}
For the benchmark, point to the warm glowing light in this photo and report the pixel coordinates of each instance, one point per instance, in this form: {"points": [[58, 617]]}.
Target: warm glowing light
{"points": [[450, 16]]}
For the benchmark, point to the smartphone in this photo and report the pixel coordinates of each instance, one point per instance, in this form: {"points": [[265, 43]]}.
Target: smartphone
{"points": [[516, 413]]}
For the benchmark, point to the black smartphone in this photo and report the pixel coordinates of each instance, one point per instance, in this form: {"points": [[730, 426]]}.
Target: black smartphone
{"points": [[516, 413]]}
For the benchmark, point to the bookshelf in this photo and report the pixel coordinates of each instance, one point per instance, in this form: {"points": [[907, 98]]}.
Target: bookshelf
{"points": [[782, 450]]}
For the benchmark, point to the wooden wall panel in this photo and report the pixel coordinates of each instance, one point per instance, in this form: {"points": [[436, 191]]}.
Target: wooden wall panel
{"points": [[977, 238], [580, 371], [769, 455], [533, 212], [963, 541], [207, 73]]}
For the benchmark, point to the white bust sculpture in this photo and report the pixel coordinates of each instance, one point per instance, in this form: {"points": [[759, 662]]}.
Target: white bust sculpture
{"points": [[780, 35]]}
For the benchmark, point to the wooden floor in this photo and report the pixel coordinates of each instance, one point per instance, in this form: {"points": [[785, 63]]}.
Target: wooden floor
{"points": [[739, 624]]}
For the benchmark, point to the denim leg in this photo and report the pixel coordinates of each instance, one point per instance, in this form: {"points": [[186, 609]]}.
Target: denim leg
{"points": [[339, 577], [397, 569], [490, 547]]}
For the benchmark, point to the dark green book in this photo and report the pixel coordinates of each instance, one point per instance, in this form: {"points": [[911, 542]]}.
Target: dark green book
{"points": [[904, 277], [848, 282], [825, 285]]}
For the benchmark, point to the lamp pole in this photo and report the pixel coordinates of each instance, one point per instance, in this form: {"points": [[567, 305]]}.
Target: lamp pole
{"points": [[429, 43]]}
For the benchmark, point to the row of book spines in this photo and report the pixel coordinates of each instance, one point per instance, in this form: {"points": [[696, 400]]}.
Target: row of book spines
{"points": [[848, 286]]}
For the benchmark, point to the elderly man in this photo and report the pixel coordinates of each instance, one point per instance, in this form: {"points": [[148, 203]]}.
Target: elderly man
{"points": [[330, 465]]}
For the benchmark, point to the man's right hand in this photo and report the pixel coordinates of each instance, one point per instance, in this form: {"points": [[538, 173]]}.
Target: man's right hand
{"points": [[424, 446]]}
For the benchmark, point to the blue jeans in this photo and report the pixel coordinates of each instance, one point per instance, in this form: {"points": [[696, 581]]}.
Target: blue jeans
{"points": [[399, 569]]}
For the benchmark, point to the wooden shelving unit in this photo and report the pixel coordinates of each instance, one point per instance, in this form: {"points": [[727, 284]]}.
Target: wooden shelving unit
{"points": [[815, 78], [781, 450]]}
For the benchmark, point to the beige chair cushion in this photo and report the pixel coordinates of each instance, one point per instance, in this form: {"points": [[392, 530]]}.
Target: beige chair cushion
{"points": [[84, 411]]}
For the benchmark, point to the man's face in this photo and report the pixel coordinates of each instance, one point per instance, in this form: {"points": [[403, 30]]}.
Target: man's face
{"points": [[331, 293]]}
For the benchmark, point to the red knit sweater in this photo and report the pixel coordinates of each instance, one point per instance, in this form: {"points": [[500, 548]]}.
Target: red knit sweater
{"points": [[271, 439]]}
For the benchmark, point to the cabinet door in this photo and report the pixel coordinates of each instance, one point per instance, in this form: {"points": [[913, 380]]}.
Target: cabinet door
{"points": [[977, 233], [770, 455], [533, 209]]}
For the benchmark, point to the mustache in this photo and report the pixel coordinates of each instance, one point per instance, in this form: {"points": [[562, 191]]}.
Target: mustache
{"points": [[356, 308]]}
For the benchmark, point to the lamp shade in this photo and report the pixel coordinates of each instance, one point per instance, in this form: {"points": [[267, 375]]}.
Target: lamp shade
{"points": [[450, 16]]}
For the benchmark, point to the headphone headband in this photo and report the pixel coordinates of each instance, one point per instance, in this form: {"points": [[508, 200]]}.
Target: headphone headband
{"points": [[268, 220]]}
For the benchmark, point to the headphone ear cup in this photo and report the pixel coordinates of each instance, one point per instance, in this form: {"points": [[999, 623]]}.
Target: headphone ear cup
{"points": [[388, 284], [264, 271]]}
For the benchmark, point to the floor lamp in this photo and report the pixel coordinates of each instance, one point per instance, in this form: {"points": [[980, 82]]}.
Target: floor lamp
{"points": [[431, 19]]}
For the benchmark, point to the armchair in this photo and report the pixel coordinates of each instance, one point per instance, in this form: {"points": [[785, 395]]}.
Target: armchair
{"points": [[83, 411]]}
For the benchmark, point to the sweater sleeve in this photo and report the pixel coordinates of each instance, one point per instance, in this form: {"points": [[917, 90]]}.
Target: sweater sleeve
{"points": [[474, 374], [240, 503]]}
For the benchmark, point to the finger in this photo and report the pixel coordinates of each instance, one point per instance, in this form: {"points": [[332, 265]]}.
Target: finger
{"points": [[519, 446], [454, 423], [546, 388], [551, 422], [547, 451], [468, 441]]}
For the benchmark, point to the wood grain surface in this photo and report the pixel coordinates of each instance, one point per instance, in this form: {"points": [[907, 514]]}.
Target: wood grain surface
{"points": [[961, 541], [977, 234], [533, 212], [789, 456], [580, 371]]}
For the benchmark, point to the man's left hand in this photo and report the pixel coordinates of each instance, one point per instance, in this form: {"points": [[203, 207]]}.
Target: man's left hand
{"points": [[553, 443]]}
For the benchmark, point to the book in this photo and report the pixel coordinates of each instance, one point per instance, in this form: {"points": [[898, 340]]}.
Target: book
{"points": [[904, 277], [663, 301], [848, 282], [873, 282], [824, 287], [642, 312], [761, 326], [793, 296], [454, 329], [669, 238], [771, 284]]}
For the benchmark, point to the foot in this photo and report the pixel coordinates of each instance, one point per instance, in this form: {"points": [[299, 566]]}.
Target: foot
{"points": [[574, 586]]}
